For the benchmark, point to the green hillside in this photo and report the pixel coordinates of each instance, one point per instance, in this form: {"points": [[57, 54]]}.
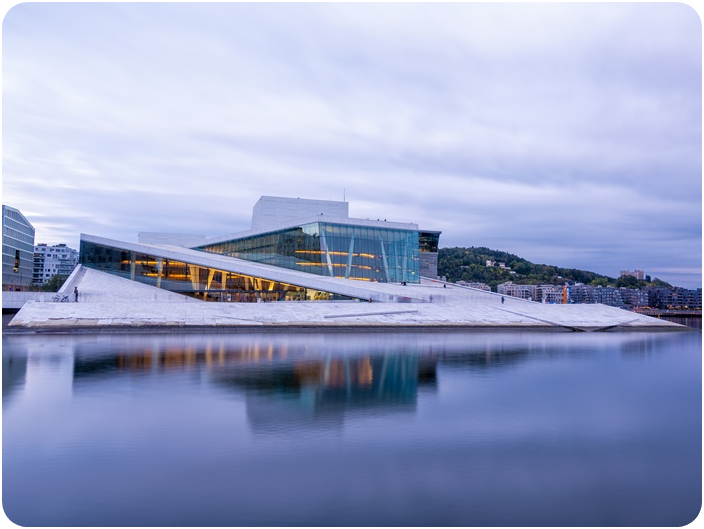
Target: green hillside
{"points": [[469, 264]]}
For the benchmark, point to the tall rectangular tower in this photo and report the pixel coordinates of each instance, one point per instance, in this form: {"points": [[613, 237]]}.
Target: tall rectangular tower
{"points": [[273, 211]]}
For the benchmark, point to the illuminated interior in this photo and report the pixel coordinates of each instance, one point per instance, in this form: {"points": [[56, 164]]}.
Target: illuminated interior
{"points": [[207, 284]]}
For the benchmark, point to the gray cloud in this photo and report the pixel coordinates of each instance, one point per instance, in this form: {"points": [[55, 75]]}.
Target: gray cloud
{"points": [[565, 133]]}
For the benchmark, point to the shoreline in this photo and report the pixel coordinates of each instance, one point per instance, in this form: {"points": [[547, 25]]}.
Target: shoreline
{"points": [[268, 328]]}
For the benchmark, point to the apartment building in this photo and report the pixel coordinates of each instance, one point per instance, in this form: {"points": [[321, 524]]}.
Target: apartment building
{"points": [[52, 260]]}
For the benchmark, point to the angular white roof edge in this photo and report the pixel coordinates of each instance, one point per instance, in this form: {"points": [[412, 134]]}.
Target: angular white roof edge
{"points": [[308, 220], [344, 287], [21, 215]]}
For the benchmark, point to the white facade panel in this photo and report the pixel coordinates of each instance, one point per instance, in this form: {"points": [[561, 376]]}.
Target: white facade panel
{"points": [[275, 211], [187, 240]]}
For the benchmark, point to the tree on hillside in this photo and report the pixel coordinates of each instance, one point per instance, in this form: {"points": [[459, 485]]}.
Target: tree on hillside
{"points": [[599, 282], [657, 282], [628, 282], [469, 264]]}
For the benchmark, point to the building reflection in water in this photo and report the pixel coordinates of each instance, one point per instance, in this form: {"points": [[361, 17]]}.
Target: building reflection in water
{"points": [[14, 371], [323, 392], [291, 379], [286, 383]]}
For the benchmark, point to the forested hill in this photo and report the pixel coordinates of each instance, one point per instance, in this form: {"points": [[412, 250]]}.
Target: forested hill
{"points": [[469, 264]]}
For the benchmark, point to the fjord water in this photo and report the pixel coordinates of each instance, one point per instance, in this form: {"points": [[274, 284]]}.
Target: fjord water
{"points": [[353, 429]]}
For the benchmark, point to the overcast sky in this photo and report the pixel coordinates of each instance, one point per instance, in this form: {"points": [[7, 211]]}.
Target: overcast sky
{"points": [[568, 134]]}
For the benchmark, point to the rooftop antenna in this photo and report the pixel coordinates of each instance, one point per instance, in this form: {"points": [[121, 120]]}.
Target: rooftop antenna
{"points": [[343, 194]]}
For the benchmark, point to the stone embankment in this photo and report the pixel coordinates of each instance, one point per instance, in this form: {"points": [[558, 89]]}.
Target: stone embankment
{"points": [[126, 316]]}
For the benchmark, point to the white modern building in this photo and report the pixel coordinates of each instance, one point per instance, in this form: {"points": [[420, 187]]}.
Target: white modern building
{"points": [[52, 260], [293, 245], [324, 271]]}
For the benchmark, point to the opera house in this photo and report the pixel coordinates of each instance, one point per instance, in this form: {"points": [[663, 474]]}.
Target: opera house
{"points": [[319, 266], [313, 238]]}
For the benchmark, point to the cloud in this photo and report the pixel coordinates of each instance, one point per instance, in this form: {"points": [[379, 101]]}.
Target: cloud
{"points": [[563, 131]]}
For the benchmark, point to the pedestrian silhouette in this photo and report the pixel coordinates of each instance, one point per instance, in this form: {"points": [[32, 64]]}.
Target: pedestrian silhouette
{"points": [[502, 299]]}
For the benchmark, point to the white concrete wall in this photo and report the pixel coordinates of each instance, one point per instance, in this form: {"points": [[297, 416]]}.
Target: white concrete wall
{"points": [[274, 211], [15, 300]]}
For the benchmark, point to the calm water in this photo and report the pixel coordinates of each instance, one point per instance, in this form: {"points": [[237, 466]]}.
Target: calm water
{"points": [[353, 429], [694, 322]]}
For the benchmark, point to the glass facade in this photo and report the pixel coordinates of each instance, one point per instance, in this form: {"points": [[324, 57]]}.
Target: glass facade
{"points": [[429, 240], [333, 250], [208, 284], [17, 250]]}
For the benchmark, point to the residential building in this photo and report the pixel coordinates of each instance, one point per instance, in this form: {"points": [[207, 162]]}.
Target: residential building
{"points": [[477, 285], [674, 298], [549, 294], [52, 260], [638, 274], [691, 299], [629, 298], [608, 296], [17, 250], [583, 294], [633, 297], [518, 291]]}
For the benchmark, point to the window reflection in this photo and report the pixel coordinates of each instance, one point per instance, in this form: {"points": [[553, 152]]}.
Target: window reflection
{"points": [[367, 254]]}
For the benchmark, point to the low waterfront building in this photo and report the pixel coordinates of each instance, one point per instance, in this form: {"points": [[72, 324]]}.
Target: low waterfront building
{"points": [[53, 260], [629, 298], [582, 294], [608, 296], [674, 298], [633, 297], [549, 294], [518, 291], [476, 285], [17, 250]]}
